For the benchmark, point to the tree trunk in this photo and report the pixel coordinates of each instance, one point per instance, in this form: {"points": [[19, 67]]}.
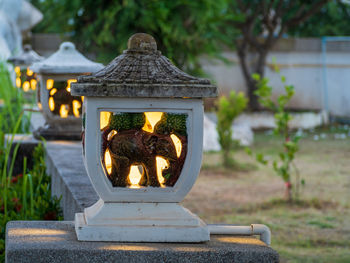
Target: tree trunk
{"points": [[258, 68]]}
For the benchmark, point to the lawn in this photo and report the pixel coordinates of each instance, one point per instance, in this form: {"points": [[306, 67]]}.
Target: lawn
{"points": [[314, 229]]}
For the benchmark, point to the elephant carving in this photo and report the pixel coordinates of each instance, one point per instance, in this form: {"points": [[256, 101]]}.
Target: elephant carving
{"points": [[138, 147], [131, 145]]}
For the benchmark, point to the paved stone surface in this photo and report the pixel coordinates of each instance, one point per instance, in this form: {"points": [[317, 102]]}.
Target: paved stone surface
{"points": [[64, 162], [44, 241]]}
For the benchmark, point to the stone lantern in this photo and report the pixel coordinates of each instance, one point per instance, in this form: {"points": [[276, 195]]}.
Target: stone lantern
{"points": [[61, 110], [25, 78], [142, 147]]}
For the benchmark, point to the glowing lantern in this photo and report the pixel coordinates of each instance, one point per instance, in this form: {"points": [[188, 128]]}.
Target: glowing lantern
{"points": [[25, 78], [61, 110], [142, 147]]}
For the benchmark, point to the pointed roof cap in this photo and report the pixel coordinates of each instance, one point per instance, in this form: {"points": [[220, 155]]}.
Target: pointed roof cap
{"points": [[142, 71], [27, 57], [66, 60]]}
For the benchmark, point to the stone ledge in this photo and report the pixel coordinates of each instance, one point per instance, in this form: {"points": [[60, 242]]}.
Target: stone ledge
{"points": [[50, 241], [64, 163]]}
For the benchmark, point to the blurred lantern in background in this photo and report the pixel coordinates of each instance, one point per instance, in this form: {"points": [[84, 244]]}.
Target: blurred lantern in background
{"points": [[26, 79], [61, 110]]}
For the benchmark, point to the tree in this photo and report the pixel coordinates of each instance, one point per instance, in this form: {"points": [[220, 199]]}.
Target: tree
{"points": [[261, 25], [183, 29]]}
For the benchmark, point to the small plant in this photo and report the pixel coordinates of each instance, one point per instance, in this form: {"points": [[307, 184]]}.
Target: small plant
{"points": [[282, 166], [228, 109]]}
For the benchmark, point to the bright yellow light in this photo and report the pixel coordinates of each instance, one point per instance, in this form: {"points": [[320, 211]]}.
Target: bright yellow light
{"points": [[161, 165], [69, 82], [135, 176], [18, 82], [49, 83], [33, 83], [18, 71], [51, 104], [26, 86], [64, 111], [177, 143], [104, 119], [53, 91], [29, 72], [76, 107], [82, 98], [40, 106], [111, 134], [151, 120], [108, 162]]}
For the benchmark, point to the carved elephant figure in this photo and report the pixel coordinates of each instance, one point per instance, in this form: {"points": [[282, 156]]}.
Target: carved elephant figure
{"points": [[138, 147]]}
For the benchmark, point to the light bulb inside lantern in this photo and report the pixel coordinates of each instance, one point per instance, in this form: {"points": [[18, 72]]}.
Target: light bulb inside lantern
{"points": [[29, 72], [69, 82], [49, 83], [151, 120], [177, 143], [51, 104], [76, 107], [33, 83], [26, 86], [64, 111]]}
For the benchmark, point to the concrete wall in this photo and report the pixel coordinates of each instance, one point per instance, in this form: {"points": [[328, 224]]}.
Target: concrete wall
{"points": [[301, 62]]}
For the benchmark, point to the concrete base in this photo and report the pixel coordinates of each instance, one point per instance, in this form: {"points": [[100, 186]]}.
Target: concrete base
{"points": [[140, 222], [52, 134], [44, 241]]}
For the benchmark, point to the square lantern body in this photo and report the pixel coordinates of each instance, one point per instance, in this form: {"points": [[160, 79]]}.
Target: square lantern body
{"points": [[61, 110], [142, 148]]}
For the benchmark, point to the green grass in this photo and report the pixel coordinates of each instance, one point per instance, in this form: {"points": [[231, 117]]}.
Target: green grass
{"points": [[315, 228]]}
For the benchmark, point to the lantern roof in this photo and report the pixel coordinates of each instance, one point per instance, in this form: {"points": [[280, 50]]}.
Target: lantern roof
{"points": [[142, 71], [27, 57], [66, 60]]}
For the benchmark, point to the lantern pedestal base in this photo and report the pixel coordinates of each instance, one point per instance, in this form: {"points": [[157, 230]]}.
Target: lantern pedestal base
{"points": [[52, 133], [140, 222]]}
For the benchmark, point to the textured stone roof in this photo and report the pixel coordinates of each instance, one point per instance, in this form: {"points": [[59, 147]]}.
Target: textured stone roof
{"points": [[66, 60], [27, 57], [142, 71]]}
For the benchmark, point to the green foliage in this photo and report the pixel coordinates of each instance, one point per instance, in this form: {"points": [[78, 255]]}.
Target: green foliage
{"points": [[183, 29], [228, 109], [282, 166], [172, 123], [127, 121], [332, 20], [25, 196]]}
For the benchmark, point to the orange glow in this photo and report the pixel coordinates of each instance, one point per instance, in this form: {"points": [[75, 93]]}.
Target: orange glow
{"points": [[151, 120], [53, 91], [108, 162], [161, 165], [51, 104], [76, 107], [177, 143], [40, 106], [111, 134], [33, 83], [82, 98], [18, 71], [69, 82], [29, 72], [26, 86], [64, 111], [18, 82], [104, 119], [135, 176], [49, 83]]}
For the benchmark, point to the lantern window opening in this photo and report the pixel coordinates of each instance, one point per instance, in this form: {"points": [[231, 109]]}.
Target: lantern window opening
{"points": [[159, 132]]}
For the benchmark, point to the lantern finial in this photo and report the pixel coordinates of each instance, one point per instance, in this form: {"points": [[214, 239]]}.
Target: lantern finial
{"points": [[142, 42]]}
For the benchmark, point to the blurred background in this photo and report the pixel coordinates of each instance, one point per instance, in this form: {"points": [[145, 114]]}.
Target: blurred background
{"points": [[276, 141]]}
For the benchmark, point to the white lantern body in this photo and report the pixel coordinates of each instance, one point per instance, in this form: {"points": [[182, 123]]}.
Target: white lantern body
{"points": [[133, 86]]}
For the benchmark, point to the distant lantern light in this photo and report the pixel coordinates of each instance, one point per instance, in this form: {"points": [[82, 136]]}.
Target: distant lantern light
{"points": [[26, 79], [61, 110], [143, 138]]}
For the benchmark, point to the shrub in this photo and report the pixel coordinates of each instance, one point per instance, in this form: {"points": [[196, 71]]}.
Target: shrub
{"points": [[228, 109]]}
